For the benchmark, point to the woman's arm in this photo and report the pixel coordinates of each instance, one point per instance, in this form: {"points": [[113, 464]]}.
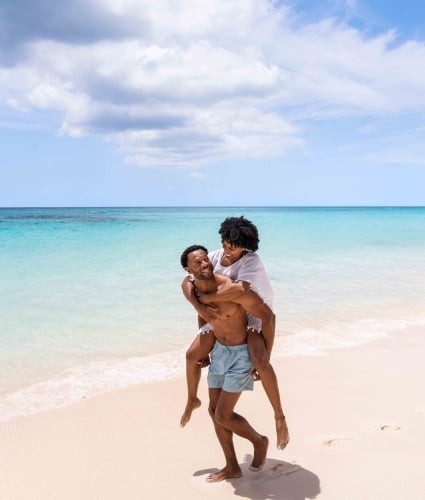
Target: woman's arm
{"points": [[226, 293]]}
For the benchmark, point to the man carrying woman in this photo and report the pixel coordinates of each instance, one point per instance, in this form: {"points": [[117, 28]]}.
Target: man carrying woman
{"points": [[238, 260]]}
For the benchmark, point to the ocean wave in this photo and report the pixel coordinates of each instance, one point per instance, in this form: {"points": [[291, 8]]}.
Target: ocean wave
{"points": [[339, 335], [90, 380], [99, 377]]}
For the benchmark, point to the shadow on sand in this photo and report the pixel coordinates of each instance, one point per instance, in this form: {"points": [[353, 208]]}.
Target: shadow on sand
{"points": [[278, 480]]}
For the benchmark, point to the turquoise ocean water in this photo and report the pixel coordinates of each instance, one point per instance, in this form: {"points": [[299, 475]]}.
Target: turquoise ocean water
{"points": [[91, 300]]}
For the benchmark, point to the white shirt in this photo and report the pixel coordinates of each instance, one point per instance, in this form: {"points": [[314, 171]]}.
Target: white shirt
{"points": [[248, 268]]}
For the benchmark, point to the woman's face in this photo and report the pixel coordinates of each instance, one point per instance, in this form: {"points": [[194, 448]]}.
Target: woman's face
{"points": [[232, 253]]}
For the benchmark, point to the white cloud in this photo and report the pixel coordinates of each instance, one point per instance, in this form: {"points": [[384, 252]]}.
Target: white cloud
{"points": [[201, 82]]}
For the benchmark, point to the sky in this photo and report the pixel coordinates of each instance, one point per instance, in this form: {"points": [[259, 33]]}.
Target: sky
{"points": [[212, 103]]}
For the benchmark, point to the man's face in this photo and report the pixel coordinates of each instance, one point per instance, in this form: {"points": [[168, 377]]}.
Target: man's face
{"points": [[199, 265]]}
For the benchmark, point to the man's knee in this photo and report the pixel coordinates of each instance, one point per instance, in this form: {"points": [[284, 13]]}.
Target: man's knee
{"points": [[220, 418], [211, 411]]}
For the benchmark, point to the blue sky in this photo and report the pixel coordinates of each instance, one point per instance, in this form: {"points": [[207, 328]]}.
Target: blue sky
{"points": [[219, 102]]}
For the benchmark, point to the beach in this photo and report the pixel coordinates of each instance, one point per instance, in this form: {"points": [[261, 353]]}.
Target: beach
{"points": [[93, 333], [356, 418]]}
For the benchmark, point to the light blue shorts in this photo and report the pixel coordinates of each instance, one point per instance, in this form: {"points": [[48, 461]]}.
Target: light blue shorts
{"points": [[230, 368]]}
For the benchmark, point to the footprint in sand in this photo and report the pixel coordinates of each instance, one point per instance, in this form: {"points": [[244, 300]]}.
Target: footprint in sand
{"points": [[390, 427], [336, 442], [282, 469]]}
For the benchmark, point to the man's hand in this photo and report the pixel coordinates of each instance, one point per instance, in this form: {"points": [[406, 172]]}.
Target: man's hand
{"points": [[204, 362]]}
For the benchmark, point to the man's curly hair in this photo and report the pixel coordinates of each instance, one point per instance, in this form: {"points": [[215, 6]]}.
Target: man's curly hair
{"points": [[187, 251], [239, 232]]}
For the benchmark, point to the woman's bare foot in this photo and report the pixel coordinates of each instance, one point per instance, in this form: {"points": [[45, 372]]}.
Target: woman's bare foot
{"points": [[190, 406], [282, 432], [260, 453], [226, 473]]}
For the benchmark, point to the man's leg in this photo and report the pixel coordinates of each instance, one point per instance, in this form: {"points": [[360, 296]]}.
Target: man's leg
{"points": [[228, 419], [225, 438], [199, 349], [260, 360]]}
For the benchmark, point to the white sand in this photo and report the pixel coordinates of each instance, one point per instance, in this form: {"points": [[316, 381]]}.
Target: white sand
{"points": [[356, 417]]}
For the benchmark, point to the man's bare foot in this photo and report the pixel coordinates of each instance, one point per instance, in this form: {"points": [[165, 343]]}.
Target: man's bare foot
{"points": [[226, 473], [282, 432], [190, 406], [260, 453]]}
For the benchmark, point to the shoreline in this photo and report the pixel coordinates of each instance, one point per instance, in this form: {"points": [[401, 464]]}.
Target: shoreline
{"points": [[356, 418], [100, 377]]}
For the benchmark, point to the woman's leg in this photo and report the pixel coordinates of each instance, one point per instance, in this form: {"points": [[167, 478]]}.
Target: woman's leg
{"points": [[199, 349], [260, 360]]}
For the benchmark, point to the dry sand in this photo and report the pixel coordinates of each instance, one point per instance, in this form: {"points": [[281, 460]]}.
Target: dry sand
{"points": [[356, 417]]}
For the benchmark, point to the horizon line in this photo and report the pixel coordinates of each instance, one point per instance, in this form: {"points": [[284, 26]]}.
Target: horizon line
{"points": [[205, 206]]}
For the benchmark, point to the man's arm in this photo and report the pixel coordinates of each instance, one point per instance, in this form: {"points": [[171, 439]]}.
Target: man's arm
{"points": [[206, 313]]}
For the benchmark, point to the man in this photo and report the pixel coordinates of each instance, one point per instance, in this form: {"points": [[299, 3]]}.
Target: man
{"points": [[230, 371]]}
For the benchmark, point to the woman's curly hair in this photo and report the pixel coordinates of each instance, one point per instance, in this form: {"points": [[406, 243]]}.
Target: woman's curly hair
{"points": [[239, 232]]}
